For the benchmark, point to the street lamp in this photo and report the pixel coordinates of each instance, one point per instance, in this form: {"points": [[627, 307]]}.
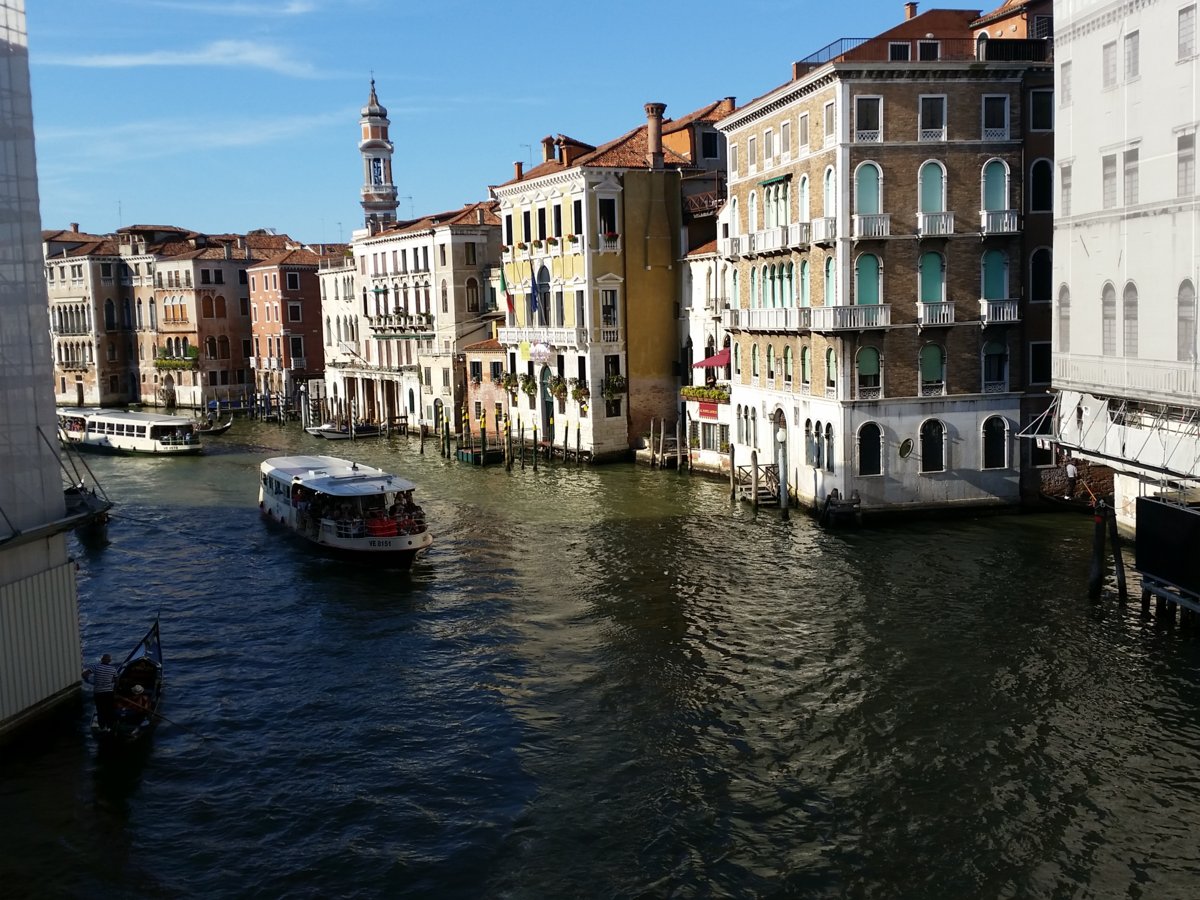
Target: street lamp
{"points": [[781, 451]]}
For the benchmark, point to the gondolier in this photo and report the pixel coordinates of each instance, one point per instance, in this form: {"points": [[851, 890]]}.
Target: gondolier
{"points": [[103, 676]]}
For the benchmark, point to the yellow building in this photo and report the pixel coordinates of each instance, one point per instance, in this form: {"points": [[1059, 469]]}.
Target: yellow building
{"points": [[591, 239]]}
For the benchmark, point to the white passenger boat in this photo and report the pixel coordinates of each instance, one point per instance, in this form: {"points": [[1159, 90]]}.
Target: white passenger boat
{"points": [[332, 431], [117, 431], [344, 507]]}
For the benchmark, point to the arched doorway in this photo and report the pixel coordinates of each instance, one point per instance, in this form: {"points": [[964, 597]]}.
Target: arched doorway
{"points": [[412, 402], [547, 406], [438, 412]]}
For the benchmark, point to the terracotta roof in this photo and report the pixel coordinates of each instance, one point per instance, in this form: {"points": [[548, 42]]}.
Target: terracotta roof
{"points": [[66, 235], [704, 249], [97, 246], [291, 258], [1006, 9], [714, 112], [489, 344], [465, 215], [130, 229]]}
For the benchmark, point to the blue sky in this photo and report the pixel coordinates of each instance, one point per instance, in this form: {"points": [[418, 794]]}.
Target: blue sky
{"points": [[228, 115]]}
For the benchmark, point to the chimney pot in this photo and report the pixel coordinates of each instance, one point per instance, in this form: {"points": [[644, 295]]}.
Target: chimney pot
{"points": [[910, 10], [547, 148], [654, 119], [518, 170], [75, 227], [478, 216]]}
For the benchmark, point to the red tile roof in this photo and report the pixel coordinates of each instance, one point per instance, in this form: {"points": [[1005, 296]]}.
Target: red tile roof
{"points": [[489, 344], [714, 112], [704, 249], [303, 258]]}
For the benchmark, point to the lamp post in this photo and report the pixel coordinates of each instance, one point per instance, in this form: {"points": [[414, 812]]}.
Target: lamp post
{"points": [[781, 454]]}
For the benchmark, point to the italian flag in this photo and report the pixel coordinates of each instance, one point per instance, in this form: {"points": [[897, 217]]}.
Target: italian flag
{"points": [[504, 290]]}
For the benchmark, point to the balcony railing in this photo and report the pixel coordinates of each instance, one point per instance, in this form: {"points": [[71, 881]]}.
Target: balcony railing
{"points": [[609, 244], [1153, 381], [904, 51], [877, 225], [731, 248], [999, 312], [780, 318], [74, 365], [995, 134], [935, 223], [995, 387], [850, 318], [931, 134], [298, 362], [798, 234], [935, 313], [999, 221], [824, 230], [933, 388], [868, 136], [558, 337]]}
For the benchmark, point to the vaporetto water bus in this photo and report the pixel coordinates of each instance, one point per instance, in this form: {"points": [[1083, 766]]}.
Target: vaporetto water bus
{"points": [[344, 507], [117, 431]]}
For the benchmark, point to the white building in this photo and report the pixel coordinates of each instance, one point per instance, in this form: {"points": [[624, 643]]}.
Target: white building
{"points": [[1125, 244], [39, 624], [704, 339]]}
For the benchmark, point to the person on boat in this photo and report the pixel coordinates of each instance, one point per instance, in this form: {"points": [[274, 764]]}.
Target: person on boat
{"points": [[1072, 478], [137, 698], [103, 677]]}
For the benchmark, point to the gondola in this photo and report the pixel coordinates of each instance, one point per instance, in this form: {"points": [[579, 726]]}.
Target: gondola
{"points": [[214, 427], [136, 711]]}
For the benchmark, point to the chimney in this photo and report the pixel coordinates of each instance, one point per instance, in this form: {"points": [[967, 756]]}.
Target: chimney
{"points": [[654, 117], [518, 170], [74, 227], [547, 148], [910, 10]]}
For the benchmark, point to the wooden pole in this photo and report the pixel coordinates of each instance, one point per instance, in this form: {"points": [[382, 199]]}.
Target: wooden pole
{"points": [[651, 443], [754, 482], [535, 447], [1096, 569], [422, 439], [678, 445], [566, 434], [662, 444], [1118, 561], [732, 473], [578, 443], [521, 444]]}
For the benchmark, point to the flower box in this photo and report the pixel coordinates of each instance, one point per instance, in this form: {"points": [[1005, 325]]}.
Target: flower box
{"points": [[611, 235]]}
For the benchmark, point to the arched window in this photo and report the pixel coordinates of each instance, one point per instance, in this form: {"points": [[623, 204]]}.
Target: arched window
{"points": [[994, 275], [809, 449], [754, 427], [932, 188], [770, 361], [752, 216], [830, 370], [754, 361], [753, 288], [818, 446], [933, 371], [446, 298], [328, 332], [866, 367], [1064, 319], [734, 289], [829, 207], [472, 295], [828, 448], [1186, 317], [870, 449], [1130, 309], [141, 322], [1041, 186], [933, 446], [741, 429], [995, 368], [805, 293], [787, 365], [219, 307], [933, 278], [1041, 274], [127, 314], [1108, 312], [867, 194], [734, 226], [805, 215], [995, 443], [153, 316], [206, 307], [737, 359], [866, 280], [805, 367], [830, 294], [789, 289], [995, 188]]}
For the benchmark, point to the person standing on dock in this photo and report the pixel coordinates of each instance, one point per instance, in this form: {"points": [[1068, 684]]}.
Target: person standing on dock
{"points": [[1072, 478], [103, 676]]}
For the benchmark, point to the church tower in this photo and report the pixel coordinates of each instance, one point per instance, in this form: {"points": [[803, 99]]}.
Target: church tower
{"points": [[378, 191]]}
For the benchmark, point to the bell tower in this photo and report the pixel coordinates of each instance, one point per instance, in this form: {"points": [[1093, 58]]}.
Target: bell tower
{"points": [[378, 190]]}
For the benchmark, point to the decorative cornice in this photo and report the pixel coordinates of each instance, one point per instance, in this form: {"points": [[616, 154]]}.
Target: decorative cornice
{"points": [[1065, 33]]}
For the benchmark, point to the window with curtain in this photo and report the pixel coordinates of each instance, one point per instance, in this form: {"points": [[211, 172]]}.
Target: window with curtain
{"points": [[866, 277], [995, 275], [931, 188], [866, 190], [995, 186], [932, 276], [867, 369], [933, 368]]}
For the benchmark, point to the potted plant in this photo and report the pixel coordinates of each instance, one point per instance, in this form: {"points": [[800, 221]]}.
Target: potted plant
{"points": [[537, 244], [528, 384], [579, 391], [520, 245], [504, 248], [614, 386], [558, 387], [611, 235], [551, 241], [509, 382], [572, 238]]}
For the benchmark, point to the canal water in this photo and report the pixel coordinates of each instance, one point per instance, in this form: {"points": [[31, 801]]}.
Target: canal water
{"points": [[610, 682]]}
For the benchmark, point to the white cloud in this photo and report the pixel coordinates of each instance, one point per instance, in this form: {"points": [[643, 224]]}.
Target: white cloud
{"points": [[225, 54], [287, 8]]}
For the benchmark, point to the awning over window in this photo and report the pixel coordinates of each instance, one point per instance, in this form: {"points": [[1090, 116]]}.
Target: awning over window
{"points": [[714, 362], [777, 179]]}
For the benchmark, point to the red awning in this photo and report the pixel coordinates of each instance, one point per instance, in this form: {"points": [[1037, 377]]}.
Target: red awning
{"points": [[714, 362]]}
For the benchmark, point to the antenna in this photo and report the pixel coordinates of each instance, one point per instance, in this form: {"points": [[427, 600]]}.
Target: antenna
{"points": [[409, 198], [528, 147]]}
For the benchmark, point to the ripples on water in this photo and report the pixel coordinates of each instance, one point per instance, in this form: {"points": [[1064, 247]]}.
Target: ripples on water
{"points": [[611, 682]]}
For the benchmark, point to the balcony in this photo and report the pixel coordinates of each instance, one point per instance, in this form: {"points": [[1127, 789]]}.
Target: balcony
{"points": [[297, 362], [74, 365], [824, 230], [406, 326], [935, 224], [935, 313], [999, 221], [850, 318], [1150, 381], [731, 248], [609, 242], [872, 226], [780, 319], [798, 234], [996, 133], [555, 337], [769, 240], [933, 388], [999, 312]]}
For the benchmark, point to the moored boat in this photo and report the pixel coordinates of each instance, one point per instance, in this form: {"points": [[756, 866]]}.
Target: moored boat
{"points": [[138, 694], [332, 431], [117, 431], [344, 507], [213, 427]]}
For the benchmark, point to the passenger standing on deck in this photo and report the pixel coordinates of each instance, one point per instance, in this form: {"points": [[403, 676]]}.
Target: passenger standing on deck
{"points": [[1072, 478], [103, 676]]}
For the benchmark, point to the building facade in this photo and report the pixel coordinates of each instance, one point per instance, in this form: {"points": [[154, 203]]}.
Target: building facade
{"points": [[879, 272], [287, 347], [1126, 244]]}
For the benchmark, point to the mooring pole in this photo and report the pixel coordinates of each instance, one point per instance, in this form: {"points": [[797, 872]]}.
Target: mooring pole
{"points": [[651, 443], [1096, 569], [535, 447], [732, 472], [1119, 562], [754, 483]]}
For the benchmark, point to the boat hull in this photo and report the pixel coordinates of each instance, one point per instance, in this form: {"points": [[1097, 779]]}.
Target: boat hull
{"points": [[392, 551]]}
